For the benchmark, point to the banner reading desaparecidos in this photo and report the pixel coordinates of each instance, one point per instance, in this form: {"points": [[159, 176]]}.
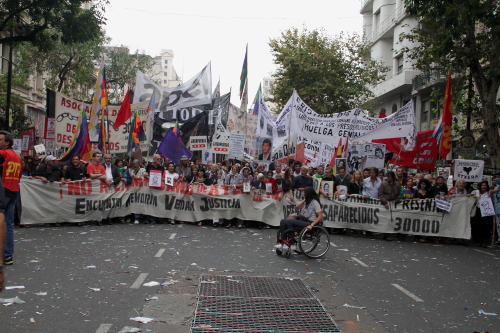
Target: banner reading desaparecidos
{"points": [[196, 91], [353, 124], [93, 200], [67, 111], [469, 170]]}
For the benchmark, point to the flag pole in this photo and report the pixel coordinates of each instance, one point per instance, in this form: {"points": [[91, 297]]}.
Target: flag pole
{"points": [[290, 129]]}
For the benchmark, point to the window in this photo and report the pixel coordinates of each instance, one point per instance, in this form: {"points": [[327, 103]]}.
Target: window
{"points": [[166, 62], [394, 108], [164, 81], [165, 73], [399, 64], [166, 67], [425, 111], [438, 107]]}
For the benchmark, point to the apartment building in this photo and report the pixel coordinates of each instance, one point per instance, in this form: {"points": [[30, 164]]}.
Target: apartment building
{"points": [[164, 72], [383, 22]]}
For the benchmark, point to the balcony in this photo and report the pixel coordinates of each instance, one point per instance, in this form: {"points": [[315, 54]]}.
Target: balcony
{"points": [[387, 24], [425, 79], [364, 3], [395, 84]]}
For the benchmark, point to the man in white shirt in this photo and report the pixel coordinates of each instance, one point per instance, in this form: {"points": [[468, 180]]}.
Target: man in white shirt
{"points": [[278, 170], [370, 189]]}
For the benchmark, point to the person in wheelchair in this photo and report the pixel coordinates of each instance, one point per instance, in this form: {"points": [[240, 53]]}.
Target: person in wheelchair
{"points": [[309, 216]]}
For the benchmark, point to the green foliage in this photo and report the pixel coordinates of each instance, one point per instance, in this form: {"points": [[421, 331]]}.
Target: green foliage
{"points": [[18, 117], [121, 70], [43, 22], [463, 36], [331, 74], [68, 68]]}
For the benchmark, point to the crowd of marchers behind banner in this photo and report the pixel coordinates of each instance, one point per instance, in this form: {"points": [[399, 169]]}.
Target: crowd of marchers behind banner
{"points": [[283, 179]]}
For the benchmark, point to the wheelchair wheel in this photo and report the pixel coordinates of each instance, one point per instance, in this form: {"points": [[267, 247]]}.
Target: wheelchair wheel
{"points": [[314, 243], [289, 234]]}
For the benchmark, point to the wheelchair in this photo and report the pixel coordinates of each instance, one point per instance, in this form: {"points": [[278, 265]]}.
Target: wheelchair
{"points": [[312, 243]]}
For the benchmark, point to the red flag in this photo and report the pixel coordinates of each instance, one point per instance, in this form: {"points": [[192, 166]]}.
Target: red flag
{"points": [[446, 137], [124, 113]]}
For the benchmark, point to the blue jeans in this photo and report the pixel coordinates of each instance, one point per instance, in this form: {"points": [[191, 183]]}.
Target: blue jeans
{"points": [[10, 206], [292, 224]]}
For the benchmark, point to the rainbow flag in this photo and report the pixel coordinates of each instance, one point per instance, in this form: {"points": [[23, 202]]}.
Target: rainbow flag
{"points": [[80, 143], [244, 74], [97, 102], [137, 135]]}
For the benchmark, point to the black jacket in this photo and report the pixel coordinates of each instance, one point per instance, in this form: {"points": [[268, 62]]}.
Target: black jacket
{"points": [[115, 173]]}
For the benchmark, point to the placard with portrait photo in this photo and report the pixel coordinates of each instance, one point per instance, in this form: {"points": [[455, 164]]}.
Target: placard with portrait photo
{"points": [[327, 187]]}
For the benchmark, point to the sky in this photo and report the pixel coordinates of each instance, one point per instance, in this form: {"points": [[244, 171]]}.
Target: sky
{"points": [[218, 31]]}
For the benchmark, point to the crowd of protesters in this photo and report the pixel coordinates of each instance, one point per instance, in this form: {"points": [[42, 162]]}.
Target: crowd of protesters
{"points": [[276, 178]]}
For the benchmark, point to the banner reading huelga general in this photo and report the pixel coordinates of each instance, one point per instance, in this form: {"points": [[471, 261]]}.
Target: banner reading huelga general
{"points": [[93, 200], [353, 124]]}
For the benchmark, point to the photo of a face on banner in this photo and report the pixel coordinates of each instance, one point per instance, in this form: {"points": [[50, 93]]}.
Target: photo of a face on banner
{"points": [[264, 148]]}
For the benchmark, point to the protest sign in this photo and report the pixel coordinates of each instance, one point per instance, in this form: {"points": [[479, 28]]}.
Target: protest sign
{"points": [[263, 149], [17, 145], [50, 128], [486, 207], [93, 200], [266, 125], [220, 140], [327, 187], [469, 170], [40, 150], [444, 204], [196, 91], [198, 143], [353, 124], [155, 178], [236, 145]]}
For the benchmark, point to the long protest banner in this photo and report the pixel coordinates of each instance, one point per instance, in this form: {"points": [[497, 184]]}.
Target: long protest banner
{"points": [[353, 124], [93, 200]]}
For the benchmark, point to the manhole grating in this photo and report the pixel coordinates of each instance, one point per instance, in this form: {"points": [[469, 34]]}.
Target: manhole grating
{"points": [[242, 304], [251, 286]]}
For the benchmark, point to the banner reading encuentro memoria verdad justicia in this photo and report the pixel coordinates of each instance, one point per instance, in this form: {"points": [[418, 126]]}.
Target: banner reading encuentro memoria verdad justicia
{"points": [[93, 200]]}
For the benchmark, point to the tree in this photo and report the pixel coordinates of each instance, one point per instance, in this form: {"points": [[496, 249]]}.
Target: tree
{"points": [[121, 69], [331, 74], [20, 120], [41, 22], [68, 68], [463, 36]]}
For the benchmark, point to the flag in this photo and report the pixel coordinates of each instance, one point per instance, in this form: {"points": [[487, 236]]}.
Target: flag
{"points": [[172, 148], [244, 100], [256, 100], [124, 113], [216, 96], [446, 120], [137, 134], [80, 143], [97, 102], [244, 74], [382, 114], [337, 154], [176, 130]]}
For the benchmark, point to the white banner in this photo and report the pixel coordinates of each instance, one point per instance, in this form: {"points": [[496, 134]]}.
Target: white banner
{"points": [[469, 170], [67, 111], [93, 200], [373, 154], [353, 124], [196, 91], [282, 150]]}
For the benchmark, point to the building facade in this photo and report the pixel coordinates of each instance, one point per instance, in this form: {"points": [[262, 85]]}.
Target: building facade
{"points": [[164, 72], [383, 22]]}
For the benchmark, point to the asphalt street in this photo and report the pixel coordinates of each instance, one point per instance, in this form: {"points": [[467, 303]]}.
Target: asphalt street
{"points": [[91, 279]]}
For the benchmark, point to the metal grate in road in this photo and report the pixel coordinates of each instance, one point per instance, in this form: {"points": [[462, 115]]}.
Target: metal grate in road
{"points": [[258, 304], [252, 286]]}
